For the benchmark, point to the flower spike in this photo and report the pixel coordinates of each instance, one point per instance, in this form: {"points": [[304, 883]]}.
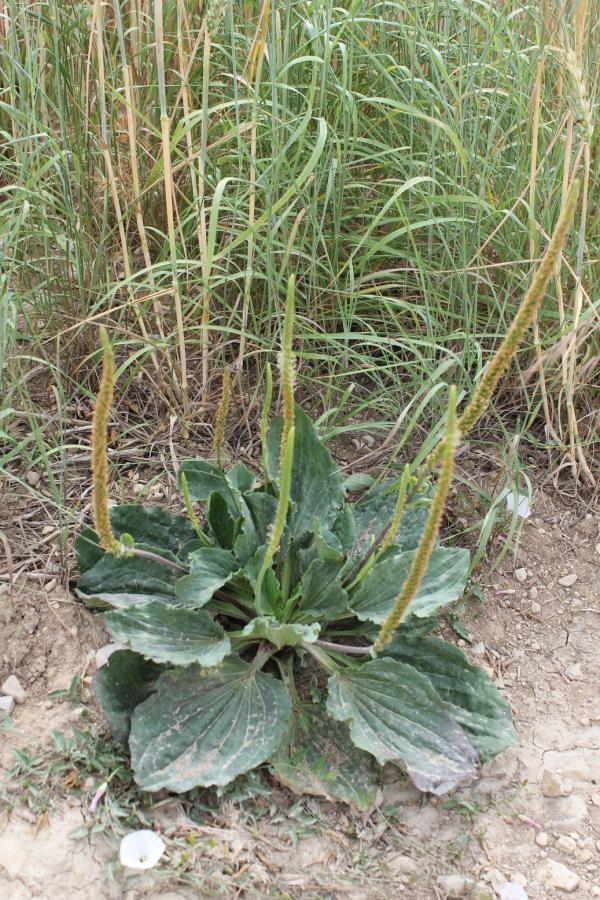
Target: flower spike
{"points": [[432, 526], [104, 398]]}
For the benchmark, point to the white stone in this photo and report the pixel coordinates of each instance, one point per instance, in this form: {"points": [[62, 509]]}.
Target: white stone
{"points": [[533, 593], [519, 878], [555, 875], [521, 575], [535, 608], [566, 844], [542, 839], [12, 687], [478, 649], [552, 784], [574, 672], [568, 580], [33, 477], [7, 704], [496, 879], [453, 885]]}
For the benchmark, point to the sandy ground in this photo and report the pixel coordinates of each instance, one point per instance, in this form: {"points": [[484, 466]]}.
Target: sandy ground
{"points": [[539, 639]]}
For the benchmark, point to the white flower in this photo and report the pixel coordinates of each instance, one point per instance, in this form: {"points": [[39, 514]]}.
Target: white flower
{"points": [[522, 505], [141, 849], [512, 891]]}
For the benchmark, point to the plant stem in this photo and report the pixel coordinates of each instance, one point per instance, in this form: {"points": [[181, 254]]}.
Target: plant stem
{"points": [[346, 649], [156, 557]]}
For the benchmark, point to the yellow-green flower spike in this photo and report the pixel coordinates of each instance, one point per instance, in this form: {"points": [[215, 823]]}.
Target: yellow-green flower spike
{"points": [[264, 418], [432, 526], [221, 416], [400, 503], [286, 364], [190, 511], [104, 398], [285, 485], [519, 326]]}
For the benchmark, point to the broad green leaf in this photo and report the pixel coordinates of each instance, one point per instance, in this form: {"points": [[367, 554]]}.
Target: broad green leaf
{"points": [[322, 595], [128, 580], [126, 680], [258, 515], [318, 757], [281, 634], [170, 634], [316, 482], [395, 714], [205, 478], [327, 544], [210, 569], [358, 481], [374, 511], [149, 525], [220, 521], [271, 587], [205, 727], [443, 582], [470, 695], [241, 478], [87, 550], [344, 528], [152, 525]]}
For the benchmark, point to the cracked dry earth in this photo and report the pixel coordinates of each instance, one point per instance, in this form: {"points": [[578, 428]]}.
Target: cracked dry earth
{"points": [[533, 818]]}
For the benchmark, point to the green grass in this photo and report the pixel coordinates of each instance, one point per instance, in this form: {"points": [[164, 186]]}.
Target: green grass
{"points": [[379, 150]]}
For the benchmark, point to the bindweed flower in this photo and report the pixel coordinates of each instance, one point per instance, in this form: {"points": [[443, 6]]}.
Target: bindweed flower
{"points": [[141, 849], [512, 891], [98, 797]]}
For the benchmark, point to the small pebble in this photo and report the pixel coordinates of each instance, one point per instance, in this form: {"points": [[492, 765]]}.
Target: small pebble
{"points": [[566, 844], [33, 477], [533, 593], [50, 585], [559, 876], [478, 649], [552, 784], [12, 687], [453, 885], [7, 704], [542, 839], [48, 529], [535, 608], [596, 799], [568, 580], [521, 575], [496, 879], [574, 671]]}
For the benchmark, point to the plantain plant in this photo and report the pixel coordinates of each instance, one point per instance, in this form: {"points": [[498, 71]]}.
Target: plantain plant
{"points": [[289, 624]]}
